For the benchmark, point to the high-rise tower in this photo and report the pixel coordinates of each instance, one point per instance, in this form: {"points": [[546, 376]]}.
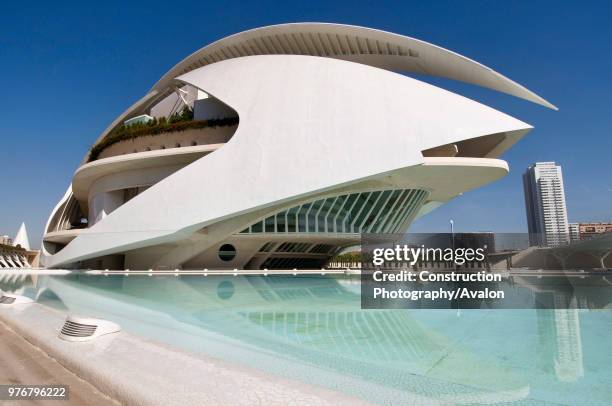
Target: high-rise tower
{"points": [[545, 204]]}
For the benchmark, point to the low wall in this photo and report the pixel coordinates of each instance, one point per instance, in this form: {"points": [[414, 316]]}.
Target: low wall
{"points": [[187, 138]]}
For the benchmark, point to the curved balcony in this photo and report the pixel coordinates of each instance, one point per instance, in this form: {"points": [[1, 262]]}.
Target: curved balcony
{"points": [[175, 158], [148, 139], [62, 237]]}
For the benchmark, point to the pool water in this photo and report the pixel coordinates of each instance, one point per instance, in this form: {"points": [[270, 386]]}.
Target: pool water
{"points": [[312, 329]]}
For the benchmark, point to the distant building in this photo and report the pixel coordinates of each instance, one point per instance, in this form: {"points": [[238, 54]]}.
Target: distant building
{"points": [[21, 239], [545, 205], [16, 253], [586, 231], [574, 232]]}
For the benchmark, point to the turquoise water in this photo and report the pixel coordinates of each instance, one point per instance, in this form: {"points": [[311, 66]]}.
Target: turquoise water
{"points": [[312, 329]]}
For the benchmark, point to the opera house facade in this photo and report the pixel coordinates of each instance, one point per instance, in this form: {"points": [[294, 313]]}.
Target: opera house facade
{"points": [[276, 148]]}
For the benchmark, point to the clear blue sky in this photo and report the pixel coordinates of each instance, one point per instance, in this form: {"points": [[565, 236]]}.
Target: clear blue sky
{"points": [[68, 69]]}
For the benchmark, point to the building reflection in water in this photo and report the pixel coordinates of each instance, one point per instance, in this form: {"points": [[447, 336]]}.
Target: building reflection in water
{"points": [[317, 322], [559, 337]]}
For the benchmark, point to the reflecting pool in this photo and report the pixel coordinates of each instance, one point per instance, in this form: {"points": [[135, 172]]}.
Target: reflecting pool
{"points": [[312, 329]]}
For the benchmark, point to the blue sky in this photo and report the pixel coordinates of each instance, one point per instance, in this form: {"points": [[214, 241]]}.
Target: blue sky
{"points": [[68, 69]]}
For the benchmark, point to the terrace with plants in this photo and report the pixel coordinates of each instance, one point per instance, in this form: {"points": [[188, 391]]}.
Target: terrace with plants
{"points": [[177, 122]]}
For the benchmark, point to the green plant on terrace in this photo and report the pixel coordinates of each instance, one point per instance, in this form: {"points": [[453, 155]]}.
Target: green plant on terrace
{"points": [[177, 122]]}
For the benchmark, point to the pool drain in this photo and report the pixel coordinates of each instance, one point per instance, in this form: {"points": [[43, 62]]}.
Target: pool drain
{"points": [[8, 299], [85, 329]]}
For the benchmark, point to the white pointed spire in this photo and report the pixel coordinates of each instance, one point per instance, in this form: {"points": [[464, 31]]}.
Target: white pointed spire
{"points": [[22, 238]]}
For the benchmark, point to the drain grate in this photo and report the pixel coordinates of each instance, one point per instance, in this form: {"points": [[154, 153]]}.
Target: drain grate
{"points": [[10, 299], [84, 329], [7, 300], [73, 329]]}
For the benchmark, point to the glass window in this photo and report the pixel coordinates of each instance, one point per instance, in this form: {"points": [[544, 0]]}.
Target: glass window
{"points": [[292, 220], [404, 210], [270, 225], [343, 218], [399, 208], [333, 211], [376, 211], [227, 252], [323, 214], [360, 210], [302, 217], [257, 227], [312, 216], [386, 212], [280, 222]]}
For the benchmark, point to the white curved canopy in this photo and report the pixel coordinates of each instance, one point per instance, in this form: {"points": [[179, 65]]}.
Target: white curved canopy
{"points": [[368, 46]]}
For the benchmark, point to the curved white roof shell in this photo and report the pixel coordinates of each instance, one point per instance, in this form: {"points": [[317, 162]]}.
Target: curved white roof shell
{"points": [[363, 45], [368, 46]]}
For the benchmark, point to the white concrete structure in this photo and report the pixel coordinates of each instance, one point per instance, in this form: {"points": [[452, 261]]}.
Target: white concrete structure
{"points": [[331, 142], [16, 253], [545, 205], [21, 239]]}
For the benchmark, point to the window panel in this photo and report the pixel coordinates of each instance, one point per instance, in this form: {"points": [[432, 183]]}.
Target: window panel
{"points": [[333, 215], [280, 222], [302, 217], [292, 220], [386, 211], [376, 211], [257, 227], [312, 216], [353, 210], [341, 219], [365, 208], [323, 213], [269, 222]]}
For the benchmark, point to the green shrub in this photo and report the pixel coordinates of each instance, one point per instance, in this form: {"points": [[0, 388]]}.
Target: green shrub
{"points": [[348, 257], [177, 122]]}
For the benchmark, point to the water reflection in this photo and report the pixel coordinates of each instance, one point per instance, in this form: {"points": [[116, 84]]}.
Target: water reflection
{"points": [[560, 343], [312, 329]]}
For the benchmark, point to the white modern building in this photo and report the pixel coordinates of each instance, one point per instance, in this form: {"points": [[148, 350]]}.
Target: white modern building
{"points": [[545, 205], [278, 146]]}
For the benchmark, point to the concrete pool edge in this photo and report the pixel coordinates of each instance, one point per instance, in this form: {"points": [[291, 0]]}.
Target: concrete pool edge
{"points": [[114, 364], [23, 363]]}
